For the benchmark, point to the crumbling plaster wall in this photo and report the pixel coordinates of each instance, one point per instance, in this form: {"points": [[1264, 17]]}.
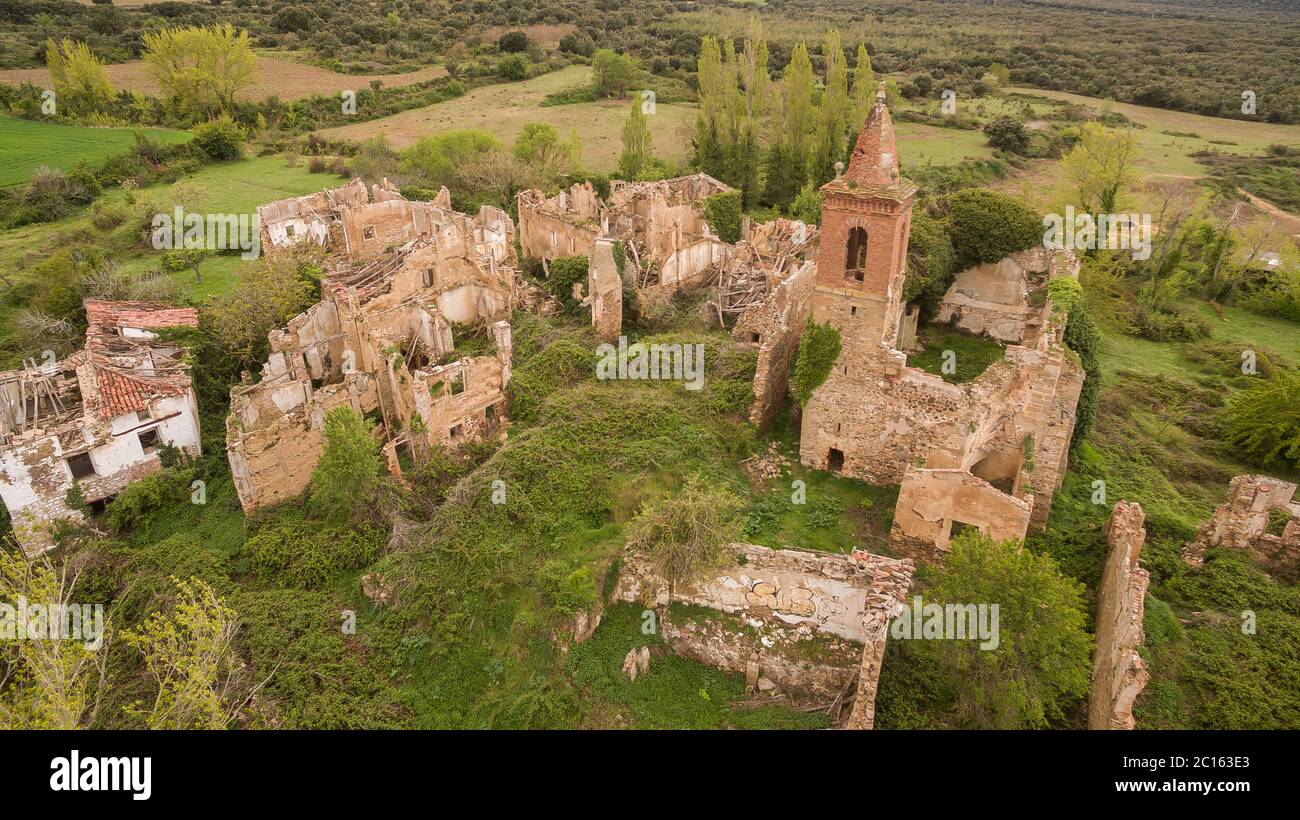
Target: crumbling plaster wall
{"points": [[931, 501], [993, 299], [275, 437], [787, 600], [567, 224], [478, 407], [35, 477], [1118, 673], [605, 291]]}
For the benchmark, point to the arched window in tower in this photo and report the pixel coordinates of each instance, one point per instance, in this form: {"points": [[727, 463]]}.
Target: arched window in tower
{"points": [[855, 262]]}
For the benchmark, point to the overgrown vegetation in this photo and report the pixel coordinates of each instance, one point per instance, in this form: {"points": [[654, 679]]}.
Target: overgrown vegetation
{"points": [[819, 347]]}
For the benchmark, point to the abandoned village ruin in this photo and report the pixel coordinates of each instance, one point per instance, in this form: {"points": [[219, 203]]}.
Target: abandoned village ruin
{"points": [[412, 331], [403, 279]]}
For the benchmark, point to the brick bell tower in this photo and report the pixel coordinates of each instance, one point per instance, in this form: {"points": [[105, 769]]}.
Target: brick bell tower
{"points": [[866, 215]]}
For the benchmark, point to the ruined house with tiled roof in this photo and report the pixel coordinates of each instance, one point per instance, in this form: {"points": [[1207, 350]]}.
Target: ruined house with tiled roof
{"points": [[97, 419], [410, 331]]}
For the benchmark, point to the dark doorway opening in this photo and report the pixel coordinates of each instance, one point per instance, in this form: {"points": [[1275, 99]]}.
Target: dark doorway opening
{"points": [[835, 460]]}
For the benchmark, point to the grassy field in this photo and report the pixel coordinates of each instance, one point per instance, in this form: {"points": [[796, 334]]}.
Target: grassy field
{"points": [[232, 187], [278, 76], [26, 145], [920, 144], [503, 110]]}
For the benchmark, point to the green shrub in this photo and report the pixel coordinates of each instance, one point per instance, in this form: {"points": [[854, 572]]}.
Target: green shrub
{"points": [[569, 590], [564, 272], [513, 67], [221, 139], [1170, 326], [723, 213], [818, 348], [142, 500], [1083, 337], [561, 364], [1263, 423], [988, 226], [303, 554], [1007, 134]]}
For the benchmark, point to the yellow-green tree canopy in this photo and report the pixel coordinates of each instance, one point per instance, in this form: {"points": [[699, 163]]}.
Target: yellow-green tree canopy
{"points": [[201, 69], [81, 85]]}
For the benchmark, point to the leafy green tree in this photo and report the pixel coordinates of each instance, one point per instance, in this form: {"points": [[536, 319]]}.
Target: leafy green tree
{"points": [[81, 85], [931, 261], [266, 296], [687, 533], [987, 226], [1041, 666], [612, 74], [513, 42], [864, 89], [439, 158], [1263, 423], [807, 207], [348, 481], [540, 145], [201, 69], [47, 684], [1007, 134], [834, 112], [790, 121], [1103, 166], [191, 657], [723, 213], [565, 272], [638, 145]]}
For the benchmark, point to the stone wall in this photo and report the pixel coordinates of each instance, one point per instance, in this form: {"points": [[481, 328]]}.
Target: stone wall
{"points": [[1242, 523], [931, 502], [273, 449], [776, 325], [1118, 673], [800, 618], [605, 291], [994, 299], [566, 224]]}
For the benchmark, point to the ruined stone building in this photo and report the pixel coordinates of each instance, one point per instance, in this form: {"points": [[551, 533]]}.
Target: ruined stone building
{"points": [[410, 330], [666, 242], [669, 243], [989, 453], [1260, 517], [95, 420], [811, 626], [764, 281]]}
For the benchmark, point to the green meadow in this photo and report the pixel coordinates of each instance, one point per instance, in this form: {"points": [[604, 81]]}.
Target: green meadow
{"points": [[26, 145]]}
